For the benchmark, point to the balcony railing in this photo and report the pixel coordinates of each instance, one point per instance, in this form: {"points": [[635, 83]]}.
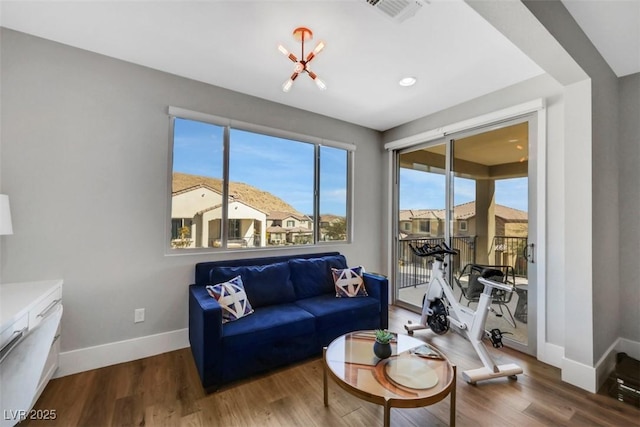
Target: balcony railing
{"points": [[414, 270], [507, 250]]}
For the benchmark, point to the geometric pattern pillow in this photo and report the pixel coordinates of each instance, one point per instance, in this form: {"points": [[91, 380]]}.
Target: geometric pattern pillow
{"points": [[232, 298], [349, 282]]}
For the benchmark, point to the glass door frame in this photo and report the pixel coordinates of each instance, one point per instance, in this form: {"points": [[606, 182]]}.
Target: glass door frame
{"points": [[535, 221]]}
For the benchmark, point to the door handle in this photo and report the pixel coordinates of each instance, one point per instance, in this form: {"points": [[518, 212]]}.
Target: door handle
{"points": [[529, 252]]}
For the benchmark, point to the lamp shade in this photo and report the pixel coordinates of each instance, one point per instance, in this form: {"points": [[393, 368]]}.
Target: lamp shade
{"points": [[5, 216]]}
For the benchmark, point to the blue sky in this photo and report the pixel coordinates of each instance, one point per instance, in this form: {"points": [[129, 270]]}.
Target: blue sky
{"points": [[276, 165], [423, 190], [285, 169]]}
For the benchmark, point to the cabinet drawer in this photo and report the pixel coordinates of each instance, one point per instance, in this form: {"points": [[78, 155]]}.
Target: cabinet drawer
{"points": [[44, 307], [51, 364], [13, 331]]}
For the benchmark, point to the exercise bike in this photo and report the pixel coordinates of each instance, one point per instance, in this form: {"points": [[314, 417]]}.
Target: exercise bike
{"points": [[441, 310]]}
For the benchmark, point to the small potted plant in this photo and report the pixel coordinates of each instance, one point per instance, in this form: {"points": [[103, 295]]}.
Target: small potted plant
{"points": [[382, 346]]}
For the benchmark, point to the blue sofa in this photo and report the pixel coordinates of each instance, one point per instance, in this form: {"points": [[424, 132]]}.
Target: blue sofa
{"points": [[296, 313]]}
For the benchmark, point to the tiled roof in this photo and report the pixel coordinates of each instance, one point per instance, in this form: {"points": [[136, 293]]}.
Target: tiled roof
{"points": [[279, 215], [461, 212]]}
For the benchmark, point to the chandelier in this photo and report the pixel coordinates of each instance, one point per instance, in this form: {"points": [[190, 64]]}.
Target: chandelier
{"points": [[302, 65]]}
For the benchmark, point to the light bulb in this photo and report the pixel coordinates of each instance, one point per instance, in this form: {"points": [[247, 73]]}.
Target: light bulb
{"points": [[286, 87], [282, 49], [320, 84], [318, 48]]}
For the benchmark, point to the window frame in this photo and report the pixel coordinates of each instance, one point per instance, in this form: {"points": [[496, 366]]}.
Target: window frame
{"points": [[228, 124]]}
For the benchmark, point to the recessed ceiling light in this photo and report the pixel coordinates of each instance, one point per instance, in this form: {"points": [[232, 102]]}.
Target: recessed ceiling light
{"points": [[407, 81]]}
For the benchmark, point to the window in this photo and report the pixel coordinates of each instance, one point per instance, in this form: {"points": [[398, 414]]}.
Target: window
{"points": [[462, 225], [235, 187], [406, 226], [425, 226], [333, 193], [234, 229], [181, 232]]}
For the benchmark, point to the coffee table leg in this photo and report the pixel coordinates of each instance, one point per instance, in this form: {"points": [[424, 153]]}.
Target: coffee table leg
{"points": [[387, 413], [452, 415], [324, 376]]}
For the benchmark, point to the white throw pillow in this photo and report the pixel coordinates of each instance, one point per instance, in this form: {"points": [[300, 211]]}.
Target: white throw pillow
{"points": [[232, 298]]}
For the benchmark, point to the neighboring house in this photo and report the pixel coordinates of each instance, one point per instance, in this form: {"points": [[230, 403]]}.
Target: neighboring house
{"points": [[503, 246], [289, 227], [199, 208], [420, 223], [333, 227]]}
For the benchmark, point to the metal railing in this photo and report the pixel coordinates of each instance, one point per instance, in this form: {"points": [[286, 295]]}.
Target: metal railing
{"points": [[506, 250], [414, 270]]}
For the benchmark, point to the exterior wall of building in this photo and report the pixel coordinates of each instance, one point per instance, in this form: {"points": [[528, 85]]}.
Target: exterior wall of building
{"points": [[185, 205]]}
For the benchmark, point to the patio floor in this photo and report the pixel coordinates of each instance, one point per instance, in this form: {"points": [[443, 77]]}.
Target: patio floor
{"points": [[414, 295]]}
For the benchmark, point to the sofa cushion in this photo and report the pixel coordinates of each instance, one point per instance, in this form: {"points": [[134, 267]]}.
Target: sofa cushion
{"points": [[232, 298], [312, 277], [349, 282], [268, 325], [331, 311], [264, 284]]}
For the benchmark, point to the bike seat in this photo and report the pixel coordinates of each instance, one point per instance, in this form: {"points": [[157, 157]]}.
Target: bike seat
{"points": [[488, 273]]}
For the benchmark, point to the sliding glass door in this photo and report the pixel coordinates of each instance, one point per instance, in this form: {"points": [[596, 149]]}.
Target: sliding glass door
{"points": [[470, 190]]}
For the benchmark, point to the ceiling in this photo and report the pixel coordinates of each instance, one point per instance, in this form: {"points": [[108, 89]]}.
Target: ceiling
{"points": [[613, 26], [499, 153], [453, 52]]}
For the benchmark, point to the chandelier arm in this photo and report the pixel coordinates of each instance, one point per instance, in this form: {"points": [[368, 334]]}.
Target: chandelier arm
{"points": [[310, 57]]}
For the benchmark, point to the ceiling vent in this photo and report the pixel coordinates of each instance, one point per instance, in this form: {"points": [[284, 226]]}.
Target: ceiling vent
{"points": [[398, 10]]}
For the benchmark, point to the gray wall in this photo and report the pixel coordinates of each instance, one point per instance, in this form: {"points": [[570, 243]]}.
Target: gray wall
{"points": [[605, 218], [85, 160], [629, 170]]}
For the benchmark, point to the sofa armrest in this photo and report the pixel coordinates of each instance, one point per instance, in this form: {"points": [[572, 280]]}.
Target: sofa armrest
{"points": [[378, 287], [205, 335]]}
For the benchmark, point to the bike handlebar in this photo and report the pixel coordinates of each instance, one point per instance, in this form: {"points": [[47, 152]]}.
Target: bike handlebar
{"points": [[432, 250]]}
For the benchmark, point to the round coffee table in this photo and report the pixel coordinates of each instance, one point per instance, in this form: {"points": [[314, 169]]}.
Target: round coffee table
{"points": [[416, 374]]}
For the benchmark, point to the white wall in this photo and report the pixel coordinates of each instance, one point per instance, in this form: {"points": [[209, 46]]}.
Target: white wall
{"points": [[584, 292], [84, 142]]}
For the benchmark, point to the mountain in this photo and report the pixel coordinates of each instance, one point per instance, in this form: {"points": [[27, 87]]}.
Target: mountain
{"points": [[246, 193]]}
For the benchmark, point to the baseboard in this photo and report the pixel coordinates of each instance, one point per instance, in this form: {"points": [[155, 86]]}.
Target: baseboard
{"points": [[592, 378], [607, 362], [85, 359], [576, 373], [580, 375], [632, 348], [551, 354]]}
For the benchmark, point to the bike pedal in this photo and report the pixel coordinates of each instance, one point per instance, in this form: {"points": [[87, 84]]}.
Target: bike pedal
{"points": [[496, 338]]}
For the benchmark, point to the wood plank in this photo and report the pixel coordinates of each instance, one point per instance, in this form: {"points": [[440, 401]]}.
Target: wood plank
{"points": [[165, 390]]}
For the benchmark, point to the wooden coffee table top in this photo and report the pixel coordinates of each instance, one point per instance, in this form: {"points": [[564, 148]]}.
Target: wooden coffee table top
{"points": [[405, 379]]}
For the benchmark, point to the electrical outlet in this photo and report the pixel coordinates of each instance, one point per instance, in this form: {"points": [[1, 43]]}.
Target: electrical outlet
{"points": [[138, 315]]}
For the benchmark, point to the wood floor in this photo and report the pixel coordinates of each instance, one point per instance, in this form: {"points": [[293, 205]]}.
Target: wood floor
{"points": [[165, 390]]}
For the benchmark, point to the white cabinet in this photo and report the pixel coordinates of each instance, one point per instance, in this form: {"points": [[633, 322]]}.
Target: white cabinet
{"points": [[29, 323]]}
